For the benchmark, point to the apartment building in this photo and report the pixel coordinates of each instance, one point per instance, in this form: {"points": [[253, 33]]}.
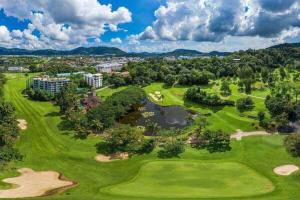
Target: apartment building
{"points": [[94, 80], [52, 85]]}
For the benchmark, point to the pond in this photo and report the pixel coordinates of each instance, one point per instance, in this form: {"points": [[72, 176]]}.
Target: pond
{"points": [[164, 116]]}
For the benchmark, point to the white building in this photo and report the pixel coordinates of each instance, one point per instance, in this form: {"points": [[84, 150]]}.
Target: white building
{"points": [[94, 80], [17, 69], [53, 85], [109, 67]]}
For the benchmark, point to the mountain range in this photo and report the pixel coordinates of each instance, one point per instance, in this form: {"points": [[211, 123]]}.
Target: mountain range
{"points": [[105, 51]]}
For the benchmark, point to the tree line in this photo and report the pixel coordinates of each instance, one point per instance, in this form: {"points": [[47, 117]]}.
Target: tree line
{"points": [[9, 130]]}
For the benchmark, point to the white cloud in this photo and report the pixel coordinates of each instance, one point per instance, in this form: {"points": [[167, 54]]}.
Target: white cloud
{"points": [[61, 23], [4, 34], [213, 20], [116, 40]]}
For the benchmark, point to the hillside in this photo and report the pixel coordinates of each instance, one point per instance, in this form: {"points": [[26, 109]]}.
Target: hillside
{"points": [[77, 51], [286, 45]]}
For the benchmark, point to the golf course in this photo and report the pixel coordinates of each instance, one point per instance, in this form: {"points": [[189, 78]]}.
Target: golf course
{"points": [[245, 172]]}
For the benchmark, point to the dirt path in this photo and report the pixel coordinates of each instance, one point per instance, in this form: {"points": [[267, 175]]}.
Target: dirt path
{"points": [[240, 134], [34, 184], [285, 170], [113, 157], [22, 124]]}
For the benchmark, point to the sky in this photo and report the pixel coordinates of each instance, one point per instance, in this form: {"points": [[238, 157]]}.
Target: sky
{"points": [[149, 25]]}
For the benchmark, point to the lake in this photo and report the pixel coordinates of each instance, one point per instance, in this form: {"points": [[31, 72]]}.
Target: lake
{"points": [[164, 116]]}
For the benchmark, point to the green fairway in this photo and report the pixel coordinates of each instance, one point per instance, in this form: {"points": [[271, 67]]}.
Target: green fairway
{"points": [[193, 179], [46, 147]]}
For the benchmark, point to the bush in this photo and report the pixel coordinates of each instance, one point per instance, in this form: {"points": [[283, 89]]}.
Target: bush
{"points": [[292, 144], [39, 95], [213, 141], [225, 89], [244, 104], [171, 149], [125, 139], [197, 95]]}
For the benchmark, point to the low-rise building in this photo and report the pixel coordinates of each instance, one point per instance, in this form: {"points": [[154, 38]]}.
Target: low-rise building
{"points": [[17, 69], [52, 85], [109, 67], [94, 80]]}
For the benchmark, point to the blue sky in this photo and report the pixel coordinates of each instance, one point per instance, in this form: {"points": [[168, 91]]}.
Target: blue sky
{"points": [[149, 25]]}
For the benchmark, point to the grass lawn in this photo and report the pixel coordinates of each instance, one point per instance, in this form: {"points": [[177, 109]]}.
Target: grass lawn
{"points": [[106, 92], [46, 147], [193, 179]]}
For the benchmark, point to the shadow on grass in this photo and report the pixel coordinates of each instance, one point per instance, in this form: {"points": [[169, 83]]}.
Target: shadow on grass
{"points": [[214, 109], [52, 114]]}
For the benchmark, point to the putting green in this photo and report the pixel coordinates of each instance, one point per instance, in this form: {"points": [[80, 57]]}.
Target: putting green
{"points": [[193, 179]]}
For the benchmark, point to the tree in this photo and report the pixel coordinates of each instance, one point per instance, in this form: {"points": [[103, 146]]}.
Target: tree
{"points": [[292, 144], [225, 89], [217, 141], [171, 143], [117, 80], [213, 141], [264, 74], [197, 95], [39, 95], [244, 104], [282, 73], [126, 139], [68, 99], [8, 133], [170, 79], [116, 106], [261, 117]]}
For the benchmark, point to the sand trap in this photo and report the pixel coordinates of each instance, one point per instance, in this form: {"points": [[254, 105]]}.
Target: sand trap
{"points": [[240, 134], [285, 170], [113, 157], [34, 184], [156, 96], [22, 124]]}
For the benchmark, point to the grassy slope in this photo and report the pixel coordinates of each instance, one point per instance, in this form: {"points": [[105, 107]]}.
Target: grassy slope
{"points": [[47, 148]]}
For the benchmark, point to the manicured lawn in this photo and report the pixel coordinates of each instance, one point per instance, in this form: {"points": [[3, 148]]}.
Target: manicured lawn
{"points": [[193, 179], [106, 92], [46, 147]]}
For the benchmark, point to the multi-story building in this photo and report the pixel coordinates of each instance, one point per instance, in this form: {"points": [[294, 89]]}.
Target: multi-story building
{"points": [[94, 80], [109, 67], [52, 85]]}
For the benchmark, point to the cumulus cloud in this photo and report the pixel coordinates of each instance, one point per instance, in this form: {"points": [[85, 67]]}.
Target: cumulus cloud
{"points": [[61, 23], [213, 20], [116, 40], [4, 34]]}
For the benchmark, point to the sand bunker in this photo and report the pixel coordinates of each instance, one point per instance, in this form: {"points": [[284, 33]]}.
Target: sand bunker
{"points": [[240, 134], [34, 184], [285, 170], [156, 96], [112, 157], [22, 124]]}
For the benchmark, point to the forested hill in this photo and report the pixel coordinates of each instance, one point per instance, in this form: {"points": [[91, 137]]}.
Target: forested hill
{"points": [[286, 45], [104, 51], [77, 51]]}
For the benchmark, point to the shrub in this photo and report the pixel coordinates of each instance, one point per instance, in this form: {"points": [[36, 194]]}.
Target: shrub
{"points": [[244, 104], [292, 145], [197, 95], [213, 141], [125, 139]]}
